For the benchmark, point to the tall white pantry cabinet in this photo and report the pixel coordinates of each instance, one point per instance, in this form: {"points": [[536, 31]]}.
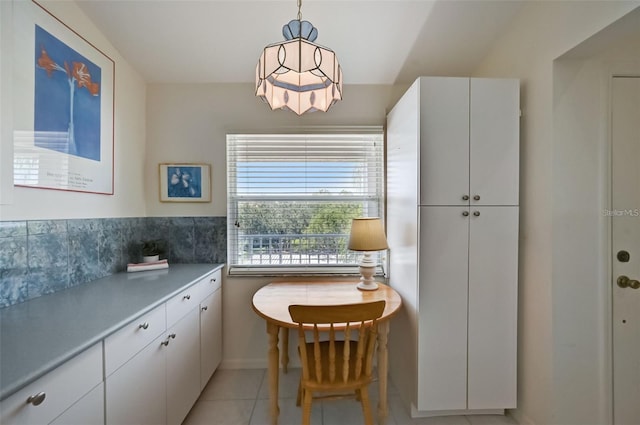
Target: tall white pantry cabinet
{"points": [[452, 228]]}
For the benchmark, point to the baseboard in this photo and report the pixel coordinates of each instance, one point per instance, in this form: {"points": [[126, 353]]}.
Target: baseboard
{"points": [[254, 363], [432, 413]]}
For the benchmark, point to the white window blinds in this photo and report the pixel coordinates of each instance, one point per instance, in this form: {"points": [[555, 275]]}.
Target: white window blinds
{"points": [[291, 198]]}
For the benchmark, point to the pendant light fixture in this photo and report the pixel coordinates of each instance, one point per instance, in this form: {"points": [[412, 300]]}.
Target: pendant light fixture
{"points": [[297, 74]]}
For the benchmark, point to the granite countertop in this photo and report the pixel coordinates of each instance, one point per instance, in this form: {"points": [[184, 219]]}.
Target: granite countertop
{"points": [[39, 335]]}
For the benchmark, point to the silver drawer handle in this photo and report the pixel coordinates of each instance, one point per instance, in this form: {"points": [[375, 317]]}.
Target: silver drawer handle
{"points": [[213, 280], [165, 342], [186, 297], [205, 308], [37, 399], [172, 336], [144, 325]]}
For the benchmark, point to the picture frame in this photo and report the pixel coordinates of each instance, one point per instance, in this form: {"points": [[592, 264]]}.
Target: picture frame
{"points": [[63, 105], [184, 182]]}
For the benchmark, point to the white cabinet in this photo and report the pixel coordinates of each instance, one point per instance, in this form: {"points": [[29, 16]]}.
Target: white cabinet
{"points": [[47, 398], [136, 392], [210, 335], [467, 131], [453, 238], [89, 410], [183, 366], [158, 381]]}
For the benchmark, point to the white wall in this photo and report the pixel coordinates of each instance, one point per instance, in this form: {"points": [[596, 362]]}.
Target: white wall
{"points": [[189, 123], [541, 33], [19, 203], [581, 259]]}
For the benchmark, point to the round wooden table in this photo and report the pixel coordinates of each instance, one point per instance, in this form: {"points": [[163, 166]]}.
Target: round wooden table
{"points": [[271, 302]]}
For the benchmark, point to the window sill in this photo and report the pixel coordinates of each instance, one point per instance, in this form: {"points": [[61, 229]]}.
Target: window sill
{"points": [[348, 271]]}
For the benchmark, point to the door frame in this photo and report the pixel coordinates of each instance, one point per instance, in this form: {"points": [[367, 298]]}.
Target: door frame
{"points": [[632, 72]]}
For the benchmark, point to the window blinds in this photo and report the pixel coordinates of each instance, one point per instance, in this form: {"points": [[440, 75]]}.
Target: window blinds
{"points": [[291, 198]]}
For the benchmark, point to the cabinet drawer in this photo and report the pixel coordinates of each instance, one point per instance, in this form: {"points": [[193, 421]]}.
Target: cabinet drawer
{"points": [[61, 387], [184, 302], [124, 344], [209, 284]]}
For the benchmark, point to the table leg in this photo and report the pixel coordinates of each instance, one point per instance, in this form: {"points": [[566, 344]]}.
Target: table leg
{"points": [[383, 364], [285, 349], [272, 333]]}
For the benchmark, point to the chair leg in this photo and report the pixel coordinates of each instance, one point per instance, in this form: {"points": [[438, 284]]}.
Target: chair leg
{"points": [[366, 405], [299, 396], [306, 407]]}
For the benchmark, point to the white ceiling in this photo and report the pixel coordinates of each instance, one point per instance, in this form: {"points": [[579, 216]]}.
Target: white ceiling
{"points": [[377, 42]]}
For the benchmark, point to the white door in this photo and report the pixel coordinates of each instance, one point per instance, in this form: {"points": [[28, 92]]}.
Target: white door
{"points": [[494, 141], [625, 217], [183, 367], [493, 305], [442, 342], [444, 141]]}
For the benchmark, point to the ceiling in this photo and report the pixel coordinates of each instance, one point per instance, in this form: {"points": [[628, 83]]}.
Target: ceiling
{"points": [[377, 42]]}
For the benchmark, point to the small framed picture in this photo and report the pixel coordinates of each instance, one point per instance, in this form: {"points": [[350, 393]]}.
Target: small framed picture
{"points": [[185, 182]]}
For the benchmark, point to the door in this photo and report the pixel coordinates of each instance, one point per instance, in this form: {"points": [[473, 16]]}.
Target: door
{"points": [[183, 367], [136, 393], [444, 141], [494, 141], [493, 303], [625, 218], [210, 336], [442, 311]]}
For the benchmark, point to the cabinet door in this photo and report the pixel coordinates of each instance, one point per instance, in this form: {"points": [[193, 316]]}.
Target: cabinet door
{"points": [[89, 410], [444, 141], [210, 336], [183, 367], [494, 141], [493, 300], [58, 390], [136, 392], [442, 311]]}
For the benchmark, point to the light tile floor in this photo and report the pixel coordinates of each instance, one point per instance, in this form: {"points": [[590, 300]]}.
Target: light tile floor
{"points": [[240, 397]]}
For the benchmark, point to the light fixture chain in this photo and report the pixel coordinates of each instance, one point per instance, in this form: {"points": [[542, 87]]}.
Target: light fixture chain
{"points": [[299, 10]]}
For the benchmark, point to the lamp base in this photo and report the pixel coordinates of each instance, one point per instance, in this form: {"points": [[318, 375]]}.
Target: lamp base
{"points": [[367, 270], [367, 286]]}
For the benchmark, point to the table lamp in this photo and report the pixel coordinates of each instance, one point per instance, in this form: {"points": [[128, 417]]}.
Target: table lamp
{"points": [[367, 235]]}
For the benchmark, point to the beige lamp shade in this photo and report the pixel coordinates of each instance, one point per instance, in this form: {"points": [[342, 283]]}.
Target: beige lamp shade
{"points": [[367, 234]]}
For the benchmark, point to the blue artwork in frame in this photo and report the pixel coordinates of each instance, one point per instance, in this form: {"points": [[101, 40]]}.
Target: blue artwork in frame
{"points": [[67, 99], [185, 182]]}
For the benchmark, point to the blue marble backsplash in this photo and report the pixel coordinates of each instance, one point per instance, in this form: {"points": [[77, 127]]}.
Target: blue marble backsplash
{"points": [[44, 256]]}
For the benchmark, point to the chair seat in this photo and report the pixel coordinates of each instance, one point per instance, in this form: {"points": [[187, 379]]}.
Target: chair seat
{"points": [[338, 382]]}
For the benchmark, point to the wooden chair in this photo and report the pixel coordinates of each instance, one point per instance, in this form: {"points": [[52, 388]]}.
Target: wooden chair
{"points": [[336, 367]]}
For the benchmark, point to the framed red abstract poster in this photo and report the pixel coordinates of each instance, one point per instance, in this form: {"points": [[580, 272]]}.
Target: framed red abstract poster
{"points": [[63, 105]]}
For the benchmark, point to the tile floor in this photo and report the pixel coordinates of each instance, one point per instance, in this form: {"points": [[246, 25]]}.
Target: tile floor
{"points": [[240, 397]]}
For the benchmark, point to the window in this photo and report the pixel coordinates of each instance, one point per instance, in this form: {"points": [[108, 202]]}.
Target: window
{"points": [[291, 198]]}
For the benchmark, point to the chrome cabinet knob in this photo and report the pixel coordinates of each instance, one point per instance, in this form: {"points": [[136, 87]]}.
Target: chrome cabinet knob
{"points": [[144, 325], [476, 213], [476, 197], [37, 399], [186, 297], [465, 197], [465, 213], [165, 342], [172, 336], [205, 308], [213, 280]]}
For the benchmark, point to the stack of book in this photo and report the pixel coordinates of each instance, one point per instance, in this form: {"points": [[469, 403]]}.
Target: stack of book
{"points": [[154, 265]]}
